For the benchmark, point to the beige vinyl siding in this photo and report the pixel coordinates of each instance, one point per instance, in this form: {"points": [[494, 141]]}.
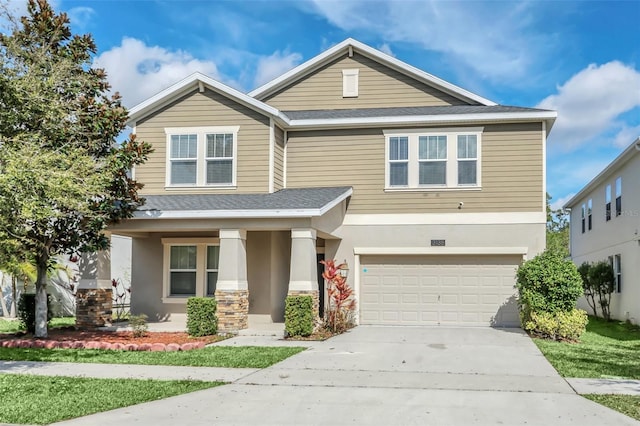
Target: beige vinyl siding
{"points": [[278, 163], [207, 109], [379, 87], [511, 171]]}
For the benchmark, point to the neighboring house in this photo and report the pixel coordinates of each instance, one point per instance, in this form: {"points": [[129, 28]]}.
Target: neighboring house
{"points": [[433, 195], [605, 225]]}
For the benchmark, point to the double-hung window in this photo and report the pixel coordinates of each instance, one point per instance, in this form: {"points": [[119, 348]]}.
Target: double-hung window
{"points": [[190, 268], [424, 159], [583, 212], [589, 211], [607, 200], [201, 156], [618, 196], [617, 273]]}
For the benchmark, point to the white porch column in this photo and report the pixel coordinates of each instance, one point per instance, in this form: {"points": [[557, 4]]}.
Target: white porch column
{"points": [[94, 294], [303, 276], [232, 288]]}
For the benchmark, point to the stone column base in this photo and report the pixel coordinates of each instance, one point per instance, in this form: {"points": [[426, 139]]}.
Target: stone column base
{"points": [[314, 295], [93, 307], [233, 310]]}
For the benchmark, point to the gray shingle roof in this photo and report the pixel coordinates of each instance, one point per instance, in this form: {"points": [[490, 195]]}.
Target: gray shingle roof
{"points": [[285, 199], [404, 111]]}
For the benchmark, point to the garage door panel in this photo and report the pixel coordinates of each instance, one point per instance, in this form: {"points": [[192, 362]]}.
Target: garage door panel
{"points": [[430, 290]]}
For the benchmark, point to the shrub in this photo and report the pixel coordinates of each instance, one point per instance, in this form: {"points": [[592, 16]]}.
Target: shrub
{"points": [[560, 325], [27, 311], [298, 315], [548, 283], [341, 306], [201, 316], [138, 324]]}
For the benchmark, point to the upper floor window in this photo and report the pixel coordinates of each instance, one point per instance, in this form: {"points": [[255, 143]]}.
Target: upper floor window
{"points": [[607, 201], [589, 211], [583, 217], [201, 156], [618, 196], [433, 159]]}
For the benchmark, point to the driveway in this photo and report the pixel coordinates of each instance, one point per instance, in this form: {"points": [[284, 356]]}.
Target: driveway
{"points": [[388, 376]]}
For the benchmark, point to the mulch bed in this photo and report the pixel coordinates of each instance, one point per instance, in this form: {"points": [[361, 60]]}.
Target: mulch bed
{"points": [[69, 337]]}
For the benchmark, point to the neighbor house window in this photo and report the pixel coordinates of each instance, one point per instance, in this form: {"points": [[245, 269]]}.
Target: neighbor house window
{"points": [[201, 156], [190, 268], [584, 214], [589, 211], [433, 158], [607, 200], [617, 273], [618, 196]]}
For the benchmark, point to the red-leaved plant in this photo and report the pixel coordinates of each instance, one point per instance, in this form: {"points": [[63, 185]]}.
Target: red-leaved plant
{"points": [[340, 306]]}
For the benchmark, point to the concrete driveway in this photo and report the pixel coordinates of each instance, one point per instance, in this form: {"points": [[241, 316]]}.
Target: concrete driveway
{"points": [[388, 376]]}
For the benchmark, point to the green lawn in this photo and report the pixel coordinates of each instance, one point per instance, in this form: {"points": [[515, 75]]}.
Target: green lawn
{"points": [[43, 399], [626, 404], [13, 326], [216, 356], [606, 349]]}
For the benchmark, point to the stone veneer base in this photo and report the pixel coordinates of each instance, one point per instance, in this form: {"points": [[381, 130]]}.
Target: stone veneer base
{"points": [[315, 295], [233, 310], [93, 307]]}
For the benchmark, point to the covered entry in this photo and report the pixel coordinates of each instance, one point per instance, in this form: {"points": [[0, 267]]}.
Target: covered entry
{"points": [[470, 290]]}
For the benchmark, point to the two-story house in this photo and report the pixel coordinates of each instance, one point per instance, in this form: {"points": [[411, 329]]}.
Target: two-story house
{"points": [[433, 195], [605, 225]]}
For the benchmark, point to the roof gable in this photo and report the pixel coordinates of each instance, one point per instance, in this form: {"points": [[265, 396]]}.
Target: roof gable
{"points": [[348, 46], [196, 81]]}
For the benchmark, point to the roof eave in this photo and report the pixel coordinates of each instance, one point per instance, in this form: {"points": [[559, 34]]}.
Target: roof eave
{"points": [[547, 116], [624, 156]]}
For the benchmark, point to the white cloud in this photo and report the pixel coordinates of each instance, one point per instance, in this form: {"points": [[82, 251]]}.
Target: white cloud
{"points": [[505, 50], [81, 16], [139, 71], [270, 67], [558, 203], [627, 135], [384, 47], [592, 101]]}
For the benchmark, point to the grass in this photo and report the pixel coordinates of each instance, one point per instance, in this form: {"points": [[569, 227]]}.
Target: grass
{"points": [[13, 326], [626, 404], [216, 356], [606, 349], [43, 399]]}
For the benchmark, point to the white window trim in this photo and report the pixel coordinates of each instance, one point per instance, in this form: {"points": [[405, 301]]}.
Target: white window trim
{"points": [[347, 75], [617, 273], [201, 162], [201, 266], [452, 158]]}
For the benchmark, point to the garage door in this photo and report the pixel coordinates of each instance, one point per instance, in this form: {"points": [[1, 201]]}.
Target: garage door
{"points": [[438, 290]]}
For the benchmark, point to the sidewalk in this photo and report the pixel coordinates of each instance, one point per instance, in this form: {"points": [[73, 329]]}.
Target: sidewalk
{"points": [[605, 386]]}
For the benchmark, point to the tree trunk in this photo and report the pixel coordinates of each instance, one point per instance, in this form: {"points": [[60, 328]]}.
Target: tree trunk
{"points": [[41, 296], [14, 296]]}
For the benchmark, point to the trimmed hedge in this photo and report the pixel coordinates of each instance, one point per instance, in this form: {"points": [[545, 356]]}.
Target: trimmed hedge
{"points": [[201, 316], [298, 316], [27, 311], [558, 325]]}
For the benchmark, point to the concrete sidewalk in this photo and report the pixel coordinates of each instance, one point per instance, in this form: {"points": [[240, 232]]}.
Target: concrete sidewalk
{"points": [[605, 386]]}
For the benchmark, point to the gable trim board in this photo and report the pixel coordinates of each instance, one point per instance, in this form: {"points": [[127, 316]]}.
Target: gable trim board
{"points": [[350, 45], [630, 151]]}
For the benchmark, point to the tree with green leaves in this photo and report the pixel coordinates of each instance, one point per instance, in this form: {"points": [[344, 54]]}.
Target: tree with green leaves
{"points": [[63, 177], [557, 230]]}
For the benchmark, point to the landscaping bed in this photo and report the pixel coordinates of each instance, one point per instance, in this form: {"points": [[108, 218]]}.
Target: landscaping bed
{"points": [[70, 338]]}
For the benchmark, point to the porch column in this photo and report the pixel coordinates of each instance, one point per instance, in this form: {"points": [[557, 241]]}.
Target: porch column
{"points": [[303, 276], [94, 294], [232, 289]]}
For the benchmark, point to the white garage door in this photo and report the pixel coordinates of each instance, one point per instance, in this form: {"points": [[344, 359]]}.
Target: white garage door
{"points": [[438, 290]]}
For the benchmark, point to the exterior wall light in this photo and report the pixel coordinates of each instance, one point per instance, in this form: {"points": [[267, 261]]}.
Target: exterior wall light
{"points": [[344, 270]]}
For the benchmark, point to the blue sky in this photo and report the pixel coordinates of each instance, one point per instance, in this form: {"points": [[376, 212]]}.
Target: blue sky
{"points": [[581, 58]]}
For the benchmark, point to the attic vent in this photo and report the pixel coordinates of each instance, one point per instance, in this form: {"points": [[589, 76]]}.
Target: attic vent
{"points": [[350, 83]]}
